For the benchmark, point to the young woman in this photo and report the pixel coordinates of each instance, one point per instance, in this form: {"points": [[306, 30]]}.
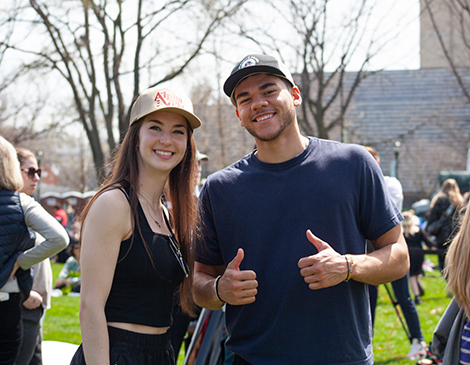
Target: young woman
{"points": [[20, 216], [134, 254], [415, 237], [34, 308], [445, 207]]}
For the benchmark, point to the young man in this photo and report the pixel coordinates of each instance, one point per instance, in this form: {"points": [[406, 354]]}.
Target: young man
{"points": [[283, 233]]}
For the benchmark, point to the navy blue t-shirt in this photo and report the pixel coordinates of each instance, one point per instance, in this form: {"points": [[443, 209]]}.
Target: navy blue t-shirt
{"points": [[335, 190]]}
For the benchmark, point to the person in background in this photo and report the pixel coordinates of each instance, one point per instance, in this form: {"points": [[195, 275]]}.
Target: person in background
{"points": [[64, 218], [132, 260], [61, 215], [69, 275], [393, 184], [457, 273], [21, 216], [445, 207], [200, 157], [33, 310], [283, 230], [415, 237], [466, 195], [400, 287], [70, 214]]}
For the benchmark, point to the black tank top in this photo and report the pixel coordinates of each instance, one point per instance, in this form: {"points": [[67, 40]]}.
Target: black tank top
{"points": [[139, 293]]}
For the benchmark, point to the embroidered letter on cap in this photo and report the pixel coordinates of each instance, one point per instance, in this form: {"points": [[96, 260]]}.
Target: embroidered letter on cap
{"points": [[169, 99]]}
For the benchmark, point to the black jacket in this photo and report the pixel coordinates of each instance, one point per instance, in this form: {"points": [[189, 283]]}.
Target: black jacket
{"points": [[15, 237]]}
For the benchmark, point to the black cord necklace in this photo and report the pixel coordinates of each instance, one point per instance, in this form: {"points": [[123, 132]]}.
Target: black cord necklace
{"points": [[155, 211]]}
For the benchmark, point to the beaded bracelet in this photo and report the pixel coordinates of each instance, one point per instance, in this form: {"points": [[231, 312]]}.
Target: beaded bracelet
{"points": [[216, 289], [350, 263]]}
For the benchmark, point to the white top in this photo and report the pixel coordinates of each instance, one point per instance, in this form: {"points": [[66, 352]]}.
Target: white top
{"points": [[396, 191]]}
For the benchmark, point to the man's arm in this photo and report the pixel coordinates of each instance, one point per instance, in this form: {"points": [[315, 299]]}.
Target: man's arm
{"points": [[203, 285], [235, 286], [389, 262]]}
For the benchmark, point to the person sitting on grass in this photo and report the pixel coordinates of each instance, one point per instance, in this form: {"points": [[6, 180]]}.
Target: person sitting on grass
{"points": [[69, 276]]}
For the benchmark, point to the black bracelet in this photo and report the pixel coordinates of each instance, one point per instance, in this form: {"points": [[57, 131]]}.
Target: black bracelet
{"points": [[347, 270], [216, 289]]}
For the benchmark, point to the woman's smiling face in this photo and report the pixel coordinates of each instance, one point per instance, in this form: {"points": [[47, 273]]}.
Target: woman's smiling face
{"points": [[163, 138]]}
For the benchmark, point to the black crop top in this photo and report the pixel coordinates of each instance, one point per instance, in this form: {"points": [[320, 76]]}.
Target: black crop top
{"points": [[138, 293]]}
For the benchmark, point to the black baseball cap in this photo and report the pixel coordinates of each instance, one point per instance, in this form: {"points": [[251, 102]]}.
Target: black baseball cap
{"points": [[255, 64]]}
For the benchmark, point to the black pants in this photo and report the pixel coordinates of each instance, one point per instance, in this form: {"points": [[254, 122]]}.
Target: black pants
{"points": [[128, 347], [30, 350], [11, 329], [179, 327]]}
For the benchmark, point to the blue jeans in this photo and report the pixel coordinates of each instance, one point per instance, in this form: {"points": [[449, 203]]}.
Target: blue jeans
{"points": [[408, 307]]}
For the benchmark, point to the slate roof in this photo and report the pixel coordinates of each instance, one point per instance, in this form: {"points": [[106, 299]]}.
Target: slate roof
{"points": [[425, 110]]}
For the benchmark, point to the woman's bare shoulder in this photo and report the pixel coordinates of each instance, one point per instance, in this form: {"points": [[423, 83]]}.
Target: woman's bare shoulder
{"points": [[111, 205], [109, 216]]}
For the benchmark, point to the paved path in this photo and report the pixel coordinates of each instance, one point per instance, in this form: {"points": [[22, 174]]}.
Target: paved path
{"points": [[57, 353]]}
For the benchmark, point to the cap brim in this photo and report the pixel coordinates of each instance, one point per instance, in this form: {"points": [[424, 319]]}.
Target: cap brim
{"points": [[193, 121], [234, 79]]}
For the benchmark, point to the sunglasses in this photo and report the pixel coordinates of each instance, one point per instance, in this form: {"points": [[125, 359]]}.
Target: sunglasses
{"points": [[177, 252], [32, 171]]}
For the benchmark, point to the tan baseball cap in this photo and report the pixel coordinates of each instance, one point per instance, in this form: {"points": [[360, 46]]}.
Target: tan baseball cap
{"points": [[167, 99]]}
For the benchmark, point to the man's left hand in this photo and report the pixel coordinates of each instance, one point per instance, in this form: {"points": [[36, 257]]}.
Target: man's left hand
{"points": [[325, 268]]}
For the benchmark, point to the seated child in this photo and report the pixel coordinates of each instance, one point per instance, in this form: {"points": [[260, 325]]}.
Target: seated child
{"points": [[69, 276]]}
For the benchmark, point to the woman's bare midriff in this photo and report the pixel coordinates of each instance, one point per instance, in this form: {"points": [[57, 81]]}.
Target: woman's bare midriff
{"points": [[139, 328]]}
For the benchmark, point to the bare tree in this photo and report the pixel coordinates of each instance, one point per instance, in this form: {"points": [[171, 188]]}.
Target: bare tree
{"points": [[8, 26], [460, 13], [323, 43], [104, 49]]}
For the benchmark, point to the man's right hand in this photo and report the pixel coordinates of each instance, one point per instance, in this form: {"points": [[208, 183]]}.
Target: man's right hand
{"points": [[238, 287]]}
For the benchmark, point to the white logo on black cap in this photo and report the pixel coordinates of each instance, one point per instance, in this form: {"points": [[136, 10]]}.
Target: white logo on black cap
{"points": [[250, 61]]}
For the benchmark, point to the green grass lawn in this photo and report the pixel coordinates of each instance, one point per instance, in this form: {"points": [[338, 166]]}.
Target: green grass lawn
{"points": [[61, 322], [390, 342]]}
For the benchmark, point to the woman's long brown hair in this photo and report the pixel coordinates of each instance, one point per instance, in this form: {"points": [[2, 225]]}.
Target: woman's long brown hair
{"points": [[124, 173], [457, 264]]}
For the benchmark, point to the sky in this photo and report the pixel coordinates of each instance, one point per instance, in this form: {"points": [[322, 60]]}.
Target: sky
{"points": [[401, 16], [395, 20], [394, 24]]}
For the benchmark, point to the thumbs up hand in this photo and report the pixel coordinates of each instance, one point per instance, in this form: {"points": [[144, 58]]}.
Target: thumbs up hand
{"points": [[237, 287], [325, 268]]}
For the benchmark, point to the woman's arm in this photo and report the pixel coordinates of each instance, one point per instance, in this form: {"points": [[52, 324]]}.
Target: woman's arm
{"points": [[40, 221], [107, 224]]}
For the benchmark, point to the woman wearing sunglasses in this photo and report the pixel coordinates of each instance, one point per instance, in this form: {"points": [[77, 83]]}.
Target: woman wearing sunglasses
{"points": [[134, 254], [34, 308], [20, 217]]}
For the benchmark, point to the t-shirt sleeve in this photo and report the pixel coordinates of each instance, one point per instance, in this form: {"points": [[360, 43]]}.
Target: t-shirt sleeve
{"points": [[207, 247]]}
